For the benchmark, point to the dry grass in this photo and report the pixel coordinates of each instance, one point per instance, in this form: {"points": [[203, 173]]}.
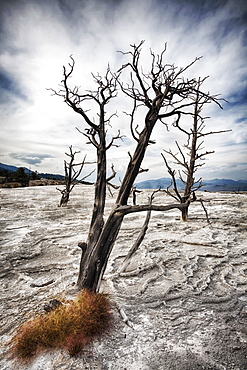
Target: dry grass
{"points": [[71, 326]]}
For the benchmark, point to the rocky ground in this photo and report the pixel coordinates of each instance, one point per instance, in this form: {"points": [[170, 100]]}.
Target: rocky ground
{"points": [[180, 304]]}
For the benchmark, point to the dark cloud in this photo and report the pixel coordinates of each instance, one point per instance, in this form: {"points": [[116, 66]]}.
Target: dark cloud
{"points": [[32, 158], [241, 119], [10, 89], [5, 82], [238, 98]]}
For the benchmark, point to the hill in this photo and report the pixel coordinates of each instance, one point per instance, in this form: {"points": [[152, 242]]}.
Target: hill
{"points": [[13, 168], [27, 171], [208, 185], [162, 183]]}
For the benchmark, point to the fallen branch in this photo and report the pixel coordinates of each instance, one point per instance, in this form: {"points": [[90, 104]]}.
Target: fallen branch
{"points": [[35, 285], [125, 318], [205, 210]]}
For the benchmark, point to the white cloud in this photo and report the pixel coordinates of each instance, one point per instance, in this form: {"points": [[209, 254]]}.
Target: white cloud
{"points": [[38, 38]]}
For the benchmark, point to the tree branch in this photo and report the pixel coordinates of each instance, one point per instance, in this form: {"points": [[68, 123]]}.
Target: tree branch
{"points": [[124, 210]]}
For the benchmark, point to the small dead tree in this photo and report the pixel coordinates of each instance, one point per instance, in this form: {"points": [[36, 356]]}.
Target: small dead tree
{"points": [[71, 176], [134, 192], [191, 155], [163, 92]]}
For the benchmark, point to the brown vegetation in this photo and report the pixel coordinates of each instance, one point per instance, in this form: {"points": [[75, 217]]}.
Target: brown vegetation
{"points": [[70, 326]]}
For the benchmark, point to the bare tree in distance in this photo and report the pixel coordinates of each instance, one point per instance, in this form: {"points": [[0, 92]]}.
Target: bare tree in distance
{"points": [[72, 175], [163, 92], [191, 155]]}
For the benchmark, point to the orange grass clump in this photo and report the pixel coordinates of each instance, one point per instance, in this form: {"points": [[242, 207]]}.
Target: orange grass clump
{"points": [[70, 326]]}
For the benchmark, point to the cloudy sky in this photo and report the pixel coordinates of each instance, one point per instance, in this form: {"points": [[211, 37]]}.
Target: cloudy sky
{"points": [[37, 38]]}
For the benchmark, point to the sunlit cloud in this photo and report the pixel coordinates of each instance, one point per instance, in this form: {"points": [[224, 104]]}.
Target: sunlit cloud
{"points": [[37, 39]]}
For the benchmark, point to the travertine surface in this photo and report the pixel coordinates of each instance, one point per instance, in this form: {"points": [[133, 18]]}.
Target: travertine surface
{"points": [[183, 293]]}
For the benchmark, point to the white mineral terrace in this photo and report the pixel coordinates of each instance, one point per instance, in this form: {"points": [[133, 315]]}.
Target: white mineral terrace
{"points": [[181, 303]]}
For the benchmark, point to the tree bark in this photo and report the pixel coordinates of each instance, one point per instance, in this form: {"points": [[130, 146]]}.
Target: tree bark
{"points": [[94, 259], [136, 161], [184, 213], [97, 220]]}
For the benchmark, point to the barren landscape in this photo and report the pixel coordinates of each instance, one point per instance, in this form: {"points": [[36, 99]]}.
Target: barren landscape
{"points": [[180, 304]]}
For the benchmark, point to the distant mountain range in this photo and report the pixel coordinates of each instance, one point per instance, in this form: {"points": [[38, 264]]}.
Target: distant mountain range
{"points": [[27, 171], [163, 183], [208, 185]]}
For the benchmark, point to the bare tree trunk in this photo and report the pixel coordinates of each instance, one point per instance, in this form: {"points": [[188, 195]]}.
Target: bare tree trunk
{"points": [[190, 180], [184, 213], [64, 198], [93, 262], [97, 220], [95, 258]]}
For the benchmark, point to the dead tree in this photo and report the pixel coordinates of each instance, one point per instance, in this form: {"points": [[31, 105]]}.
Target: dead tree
{"points": [[71, 176], [163, 93], [191, 155], [134, 192], [95, 133]]}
